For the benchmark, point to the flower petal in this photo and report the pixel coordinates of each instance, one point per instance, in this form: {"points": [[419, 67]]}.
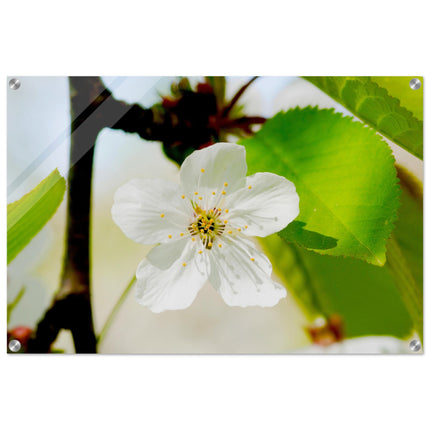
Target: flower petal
{"points": [[164, 255], [241, 274], [173, 288], [148, 211], [207, 170], [267, 204]]}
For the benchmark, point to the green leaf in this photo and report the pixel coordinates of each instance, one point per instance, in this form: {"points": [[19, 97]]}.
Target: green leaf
{"points": [[376, 106], [364, 295], [398, 87], [344, 174], [27, 216], [367, 297]]}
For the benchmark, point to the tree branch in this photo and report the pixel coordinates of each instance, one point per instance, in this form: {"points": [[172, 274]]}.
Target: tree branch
{"points": [[71, 308], [92, 108]]}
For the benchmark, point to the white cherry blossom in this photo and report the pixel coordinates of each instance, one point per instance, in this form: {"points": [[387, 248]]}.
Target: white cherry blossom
{"points": [[202, 227]]}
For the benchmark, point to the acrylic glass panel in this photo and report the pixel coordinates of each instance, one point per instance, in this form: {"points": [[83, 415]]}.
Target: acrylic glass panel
{"points": [[215, 215]]}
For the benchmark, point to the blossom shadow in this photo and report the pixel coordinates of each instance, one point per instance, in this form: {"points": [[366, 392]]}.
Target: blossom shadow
{"points": [[296, 232]]}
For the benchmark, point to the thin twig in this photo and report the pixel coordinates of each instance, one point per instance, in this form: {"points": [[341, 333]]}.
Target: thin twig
{"points": [[236, 97], [115, 310]]}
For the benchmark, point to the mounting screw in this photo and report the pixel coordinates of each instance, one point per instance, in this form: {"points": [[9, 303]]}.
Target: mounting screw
{"points": [[14, 345], [415, 345], [14, 84], [415, 84]]}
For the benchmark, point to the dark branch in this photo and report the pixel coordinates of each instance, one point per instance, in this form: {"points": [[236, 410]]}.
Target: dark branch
{"points": [[92, 108], [71, 308]]}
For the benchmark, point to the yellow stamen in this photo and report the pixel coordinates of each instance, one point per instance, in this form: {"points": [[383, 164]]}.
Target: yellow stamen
{"points": [[184, 264], [225, 184], [182, 234], [200, 251], [193, 239], [210, 245], [195, 193], [239, 229], [225, 222], [226, 211], [202, 170], [183, 196], [213, 193], [230, 232], [246, 226], [249, 187], [170, 236], [162, 215], [200, 198], [252, 259], [220, 245], [223, 193]]}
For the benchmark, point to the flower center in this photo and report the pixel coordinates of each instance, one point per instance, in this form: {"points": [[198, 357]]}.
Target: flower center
{"points": [[206, 225]]}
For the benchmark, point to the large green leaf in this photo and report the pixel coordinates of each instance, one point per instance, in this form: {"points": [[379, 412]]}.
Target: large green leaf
{"points": [[378, 108], [28, 215], [344, 174], [367, 297]]}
